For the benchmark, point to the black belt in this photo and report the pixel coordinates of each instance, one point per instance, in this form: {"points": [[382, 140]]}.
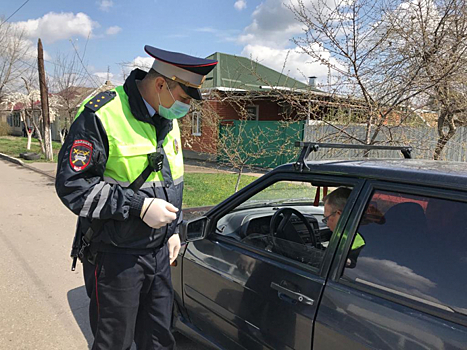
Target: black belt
{"points": [[109, 248]]}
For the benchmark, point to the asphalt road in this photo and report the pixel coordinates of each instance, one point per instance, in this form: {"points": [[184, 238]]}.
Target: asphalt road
{"points": [[43, 304]]}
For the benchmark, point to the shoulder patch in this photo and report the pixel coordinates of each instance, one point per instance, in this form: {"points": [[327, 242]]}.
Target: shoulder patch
{"points": [[100, 100], [80, 154]]}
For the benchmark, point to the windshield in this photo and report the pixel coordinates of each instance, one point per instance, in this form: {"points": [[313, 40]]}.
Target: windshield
{"points": [[280, 193]]}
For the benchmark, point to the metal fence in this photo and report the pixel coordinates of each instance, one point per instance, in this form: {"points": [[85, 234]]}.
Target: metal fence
{"points": [[422, 139], [264, 144]]}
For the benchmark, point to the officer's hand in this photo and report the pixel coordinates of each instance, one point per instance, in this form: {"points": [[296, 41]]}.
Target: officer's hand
{"points": [[174, 247], [157, 213]]}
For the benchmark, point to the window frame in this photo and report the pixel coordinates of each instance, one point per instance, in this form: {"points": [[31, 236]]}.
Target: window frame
{"points": [[257, 186], [196, 116], [256, 118], [336, 274]]}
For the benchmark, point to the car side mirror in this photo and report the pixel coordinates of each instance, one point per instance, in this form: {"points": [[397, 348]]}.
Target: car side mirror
{"points": [[194, 230]]}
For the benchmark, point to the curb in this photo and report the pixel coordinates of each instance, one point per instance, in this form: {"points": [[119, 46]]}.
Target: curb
{"points": [[11, 159], [21, 163]]}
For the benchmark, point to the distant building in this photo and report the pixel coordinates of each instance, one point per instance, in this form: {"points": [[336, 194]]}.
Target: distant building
{"points": [[71, 99], [238, 88]]}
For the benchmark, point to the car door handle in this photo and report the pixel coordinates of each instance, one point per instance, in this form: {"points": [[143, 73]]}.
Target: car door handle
{"points": [[293, 295]]}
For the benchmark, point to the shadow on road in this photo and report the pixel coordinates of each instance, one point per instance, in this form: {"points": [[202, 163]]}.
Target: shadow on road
{"points": [[79, 306]]}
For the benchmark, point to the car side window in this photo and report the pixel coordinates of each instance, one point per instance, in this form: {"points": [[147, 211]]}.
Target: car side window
{"points": [[284, 219], [412, 246]]}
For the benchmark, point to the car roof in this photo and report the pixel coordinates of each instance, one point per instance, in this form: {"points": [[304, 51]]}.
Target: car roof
{"points": [[412, 171]]}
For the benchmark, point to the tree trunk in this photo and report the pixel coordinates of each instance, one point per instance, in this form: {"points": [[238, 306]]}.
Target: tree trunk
{"points": [[48, 142], [29, 140], [29, 134], [39, 135], [27, 123], [25, 126], [62, 136], [442, 141], [239, 176], [446, 117]]}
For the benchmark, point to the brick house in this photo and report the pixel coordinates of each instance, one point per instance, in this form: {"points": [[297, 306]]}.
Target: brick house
{"points": [[238, 88]]}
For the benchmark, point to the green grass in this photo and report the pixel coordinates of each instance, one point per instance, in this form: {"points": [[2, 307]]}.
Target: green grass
{"points": [[13, 146], [283, 190], [200, 189], [210, 189]]}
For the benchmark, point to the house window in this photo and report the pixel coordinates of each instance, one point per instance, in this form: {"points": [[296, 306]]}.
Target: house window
{"points": [[196, 123], [252, 112], [286, 110], [16, 120]]}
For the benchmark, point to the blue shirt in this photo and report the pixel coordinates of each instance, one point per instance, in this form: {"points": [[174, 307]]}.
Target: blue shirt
{"points": [[151, 110]]}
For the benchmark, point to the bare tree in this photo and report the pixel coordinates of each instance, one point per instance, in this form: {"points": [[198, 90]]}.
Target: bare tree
{"points": [[393, 57], [430, 36], [69, 83], [243, 142], [15, 55], [354, 41], [28, 105]]}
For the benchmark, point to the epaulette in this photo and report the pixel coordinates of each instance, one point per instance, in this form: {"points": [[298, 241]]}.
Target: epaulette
{"points": [[101, 99]]}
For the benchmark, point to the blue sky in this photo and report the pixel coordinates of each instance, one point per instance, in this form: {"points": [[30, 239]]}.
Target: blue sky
{"points": [[119, 29]]}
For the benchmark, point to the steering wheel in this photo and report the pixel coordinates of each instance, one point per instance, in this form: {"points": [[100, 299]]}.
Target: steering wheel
{"points": [[286, 231]]}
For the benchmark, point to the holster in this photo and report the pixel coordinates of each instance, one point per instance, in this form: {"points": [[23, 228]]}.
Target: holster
{"points": [[89, 253]]}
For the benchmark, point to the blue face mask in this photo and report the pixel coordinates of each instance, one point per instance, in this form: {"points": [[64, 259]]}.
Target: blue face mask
{"points": [[176, 111]]}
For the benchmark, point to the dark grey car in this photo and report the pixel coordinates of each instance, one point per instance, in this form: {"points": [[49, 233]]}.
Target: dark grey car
{"points": [[265, 277]]}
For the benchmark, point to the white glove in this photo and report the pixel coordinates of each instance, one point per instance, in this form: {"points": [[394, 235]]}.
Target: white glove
{"points": [[174, 247], [157, 213]]}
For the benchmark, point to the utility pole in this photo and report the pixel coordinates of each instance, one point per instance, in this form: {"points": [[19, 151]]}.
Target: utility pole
{"points": [[44, 102]]}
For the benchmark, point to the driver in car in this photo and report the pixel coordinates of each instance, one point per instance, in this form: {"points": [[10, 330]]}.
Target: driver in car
{"points": [[334, 204]]}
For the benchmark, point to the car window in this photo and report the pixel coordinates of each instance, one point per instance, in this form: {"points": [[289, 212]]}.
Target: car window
{"points": [[284, 192], [413, 246], [284, 219]]}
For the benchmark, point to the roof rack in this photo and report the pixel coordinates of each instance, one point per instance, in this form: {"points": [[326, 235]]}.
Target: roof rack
{"points": [[308, 147]]}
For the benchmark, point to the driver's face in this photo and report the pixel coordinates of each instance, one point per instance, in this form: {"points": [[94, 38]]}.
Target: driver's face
{"points": [[332, 215]]}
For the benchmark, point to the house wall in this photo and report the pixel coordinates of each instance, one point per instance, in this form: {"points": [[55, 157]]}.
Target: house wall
{"points": [[204, 143], [268, 110], [16, 125]]}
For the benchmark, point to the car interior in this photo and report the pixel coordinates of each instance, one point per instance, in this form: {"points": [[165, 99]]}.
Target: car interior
{"points": [[290, 226]]}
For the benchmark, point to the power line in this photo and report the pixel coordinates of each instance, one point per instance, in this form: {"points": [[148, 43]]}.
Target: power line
{"points": [[34, 66], [15, 12]]}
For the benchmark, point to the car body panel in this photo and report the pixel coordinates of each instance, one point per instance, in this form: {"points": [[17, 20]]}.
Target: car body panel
{"points": [[351, 319], [224, 289], [243, 304]]}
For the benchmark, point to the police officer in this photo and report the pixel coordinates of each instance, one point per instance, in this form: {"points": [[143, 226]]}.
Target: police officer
{"points": [[132, 230]]}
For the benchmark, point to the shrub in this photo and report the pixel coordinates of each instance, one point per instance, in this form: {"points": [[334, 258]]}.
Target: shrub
{"points": [[4, 128]]}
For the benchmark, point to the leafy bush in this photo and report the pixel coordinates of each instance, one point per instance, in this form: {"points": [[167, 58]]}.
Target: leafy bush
{"points": [[4, 129]]}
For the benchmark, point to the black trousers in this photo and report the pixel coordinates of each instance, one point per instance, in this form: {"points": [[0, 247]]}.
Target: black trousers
{"points": [[131, 299]]}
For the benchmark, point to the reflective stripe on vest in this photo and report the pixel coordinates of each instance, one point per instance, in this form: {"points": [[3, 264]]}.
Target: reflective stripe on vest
{"points": [[131, 140]]}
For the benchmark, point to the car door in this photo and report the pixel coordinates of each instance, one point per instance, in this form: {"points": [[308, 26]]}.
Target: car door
{"points": [[243, 295], [406, 289]]}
